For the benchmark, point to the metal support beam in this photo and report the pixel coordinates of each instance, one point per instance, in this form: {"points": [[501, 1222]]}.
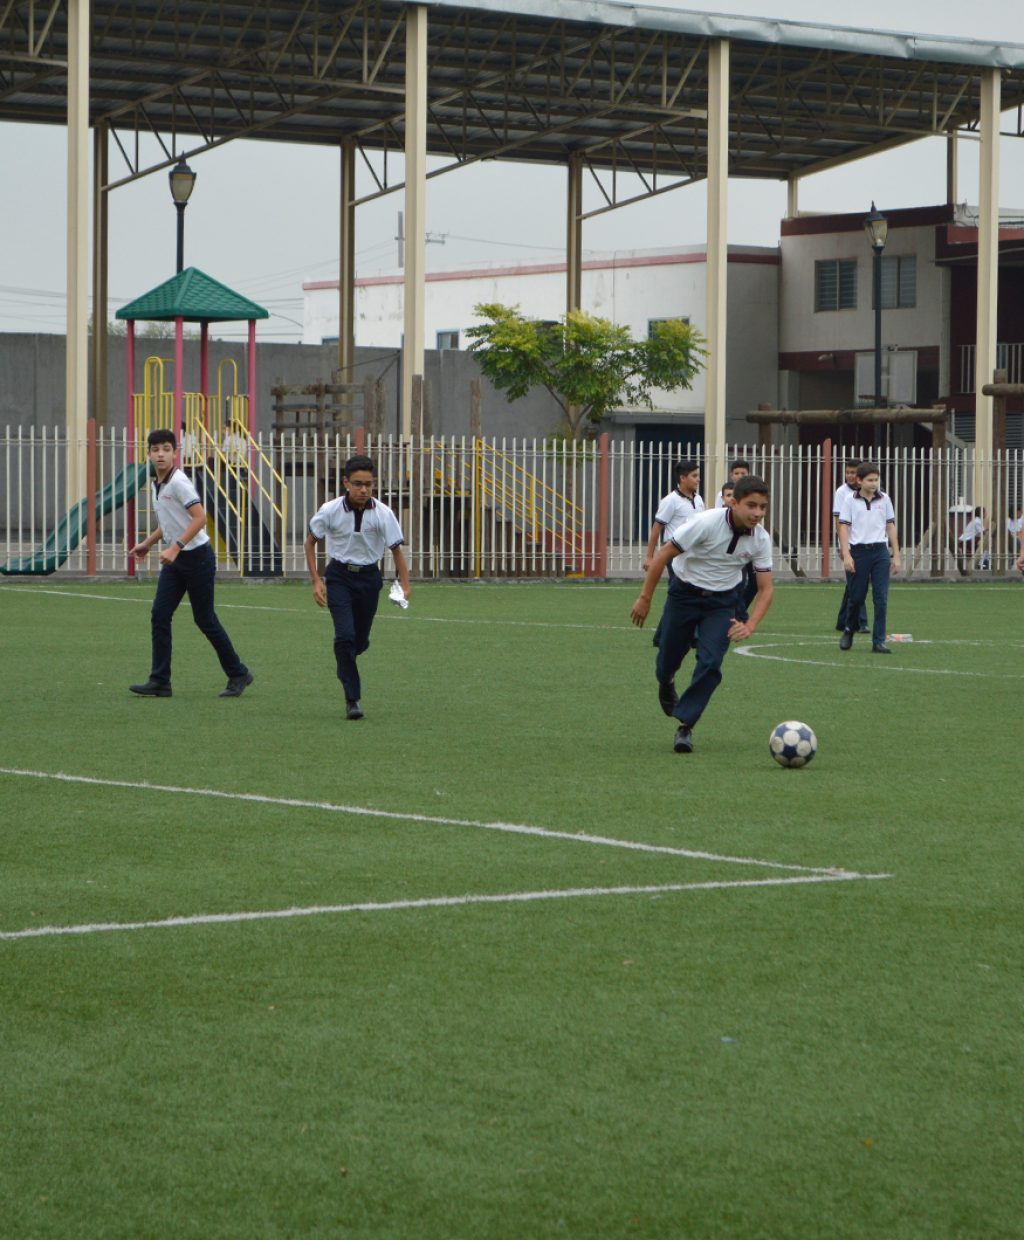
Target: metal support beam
{"points": [[347, 266], [792, 198], [77, 335], [574, 236], [415, 203], [952, 169], [100, 264], [988, 281], [715, 329]]}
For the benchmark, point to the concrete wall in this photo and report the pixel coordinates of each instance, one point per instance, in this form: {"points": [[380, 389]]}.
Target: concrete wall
{"points": [[32, 382]]}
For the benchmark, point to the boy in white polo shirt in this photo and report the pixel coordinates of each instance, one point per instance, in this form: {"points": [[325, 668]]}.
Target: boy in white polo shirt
{"points": [[358, 530], [849, 486], [867, 538], [679, 506], [705, 598], [187, 566]]}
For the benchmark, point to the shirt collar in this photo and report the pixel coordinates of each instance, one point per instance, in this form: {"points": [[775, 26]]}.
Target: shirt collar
{"points": [[370, 503]]}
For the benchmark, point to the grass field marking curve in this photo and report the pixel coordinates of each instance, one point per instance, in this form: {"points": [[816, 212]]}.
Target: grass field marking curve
{"points": [[512, 897], [754, 652], [512, 828]]}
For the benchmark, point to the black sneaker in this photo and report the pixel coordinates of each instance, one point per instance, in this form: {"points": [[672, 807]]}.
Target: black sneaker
{"points": [[236, 685], [684, 739], [152, 688], [880, 648], [667, 696], [352, 709], [846, 641], [863, 629]]}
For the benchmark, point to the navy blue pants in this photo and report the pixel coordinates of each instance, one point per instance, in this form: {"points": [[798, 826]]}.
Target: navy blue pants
{"points": [[862, 618], [699, 618], [192, 573], [352, 600], [871, 565]]}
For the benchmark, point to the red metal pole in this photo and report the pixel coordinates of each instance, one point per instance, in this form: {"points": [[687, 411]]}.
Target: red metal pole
{"points": [[603, 498], [360, 441], [90, 496], [826, 506]]}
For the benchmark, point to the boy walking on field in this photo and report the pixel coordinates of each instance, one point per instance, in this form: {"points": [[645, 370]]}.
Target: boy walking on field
{"points": [[867, 537], [358, 530], [187, 566]]}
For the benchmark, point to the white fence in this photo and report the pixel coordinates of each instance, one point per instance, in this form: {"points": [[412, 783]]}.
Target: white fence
{"points": [[477, 508]]}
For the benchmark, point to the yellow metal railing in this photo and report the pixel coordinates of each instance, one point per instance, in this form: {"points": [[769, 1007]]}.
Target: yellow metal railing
{"points": [[215, 439], [533, 506]]}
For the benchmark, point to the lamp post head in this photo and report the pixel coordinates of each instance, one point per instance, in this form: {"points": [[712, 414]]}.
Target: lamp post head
{"points": [[877, 228], [182, 179]]}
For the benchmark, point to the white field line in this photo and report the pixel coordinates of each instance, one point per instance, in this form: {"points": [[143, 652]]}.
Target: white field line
{"points": [[514, 897], [754, 652], [511, 828]]}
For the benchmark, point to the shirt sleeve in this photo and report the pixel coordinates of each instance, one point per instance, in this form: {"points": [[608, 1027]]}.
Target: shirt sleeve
{"points": [[183, 489], [837, 501], [319, 523], [664, 514], [890, 512], [393, 535], [845, 510], [762, 561], [689, 535]]}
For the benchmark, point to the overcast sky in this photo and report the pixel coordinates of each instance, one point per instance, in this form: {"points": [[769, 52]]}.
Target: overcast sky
{"points": [[263, 216]]}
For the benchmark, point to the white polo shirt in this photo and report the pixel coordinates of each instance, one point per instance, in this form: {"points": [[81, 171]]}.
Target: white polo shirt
{"points": [[172, 500], [675, 510], [843, 491], [868, 519], [357, 535], [973, 530], [715, 552]]}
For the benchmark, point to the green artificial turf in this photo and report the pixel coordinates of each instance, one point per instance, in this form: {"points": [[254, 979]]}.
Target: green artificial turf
{"points": [[837, 1058]]}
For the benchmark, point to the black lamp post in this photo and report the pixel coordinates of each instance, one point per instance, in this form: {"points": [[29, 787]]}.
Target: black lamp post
{"points": [[877, 228], [182, 179]]}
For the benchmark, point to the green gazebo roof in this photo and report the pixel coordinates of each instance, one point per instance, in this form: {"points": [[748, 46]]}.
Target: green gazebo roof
{"points": [[194, 296]]}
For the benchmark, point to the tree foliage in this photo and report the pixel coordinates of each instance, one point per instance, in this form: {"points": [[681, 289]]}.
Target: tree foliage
{"points": [[589, 365]]}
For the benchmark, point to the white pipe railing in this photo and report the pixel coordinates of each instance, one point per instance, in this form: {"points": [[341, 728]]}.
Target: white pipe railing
{"points": [[495, 508]]}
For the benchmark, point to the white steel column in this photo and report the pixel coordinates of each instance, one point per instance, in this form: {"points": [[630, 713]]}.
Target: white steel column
{"points": [[718, 181], [76, 375], [100, 259], [988, 280], [415, 203]]}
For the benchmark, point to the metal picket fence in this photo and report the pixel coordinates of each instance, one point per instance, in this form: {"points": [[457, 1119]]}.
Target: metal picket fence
{"points": [[481, 508]]}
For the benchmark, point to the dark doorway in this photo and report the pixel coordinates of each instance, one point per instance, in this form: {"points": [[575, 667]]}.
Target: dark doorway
{"points": [[658, 446]]}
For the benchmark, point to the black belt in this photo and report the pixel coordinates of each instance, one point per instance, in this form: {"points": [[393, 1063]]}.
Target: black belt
{"points": [[356, 568], [867, 546], [688, 585]]}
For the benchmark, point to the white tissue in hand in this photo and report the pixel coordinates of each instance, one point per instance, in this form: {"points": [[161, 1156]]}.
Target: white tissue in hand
{"points": [[397, 595]]}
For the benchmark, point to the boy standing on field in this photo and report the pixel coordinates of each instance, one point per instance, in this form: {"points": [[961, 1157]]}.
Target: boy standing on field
{"points": [[187, 566], [867, 537], [679, 506], [358, 530], [705, 598], [848, 487]]}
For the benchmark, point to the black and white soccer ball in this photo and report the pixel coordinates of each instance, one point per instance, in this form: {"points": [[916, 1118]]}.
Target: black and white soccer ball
{"points": [[793, 743]]}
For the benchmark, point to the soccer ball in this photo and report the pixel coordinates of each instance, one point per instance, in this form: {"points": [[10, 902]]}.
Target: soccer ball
{"points": [[793, 743]]}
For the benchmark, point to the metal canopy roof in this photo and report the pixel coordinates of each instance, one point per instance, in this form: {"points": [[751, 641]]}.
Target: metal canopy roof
{"points": [[622, 87]]}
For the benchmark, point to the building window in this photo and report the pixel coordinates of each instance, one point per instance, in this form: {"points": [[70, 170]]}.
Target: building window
{"points": [[674, 318], [835, 284], [899, 281], [447, 340]]}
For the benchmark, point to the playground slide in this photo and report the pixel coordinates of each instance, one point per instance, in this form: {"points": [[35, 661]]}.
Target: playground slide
{"points": [[70, 532], [261, 555]]}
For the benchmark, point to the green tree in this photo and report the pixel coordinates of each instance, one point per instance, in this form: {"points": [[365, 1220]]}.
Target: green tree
{"points": [[589, 365]]}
